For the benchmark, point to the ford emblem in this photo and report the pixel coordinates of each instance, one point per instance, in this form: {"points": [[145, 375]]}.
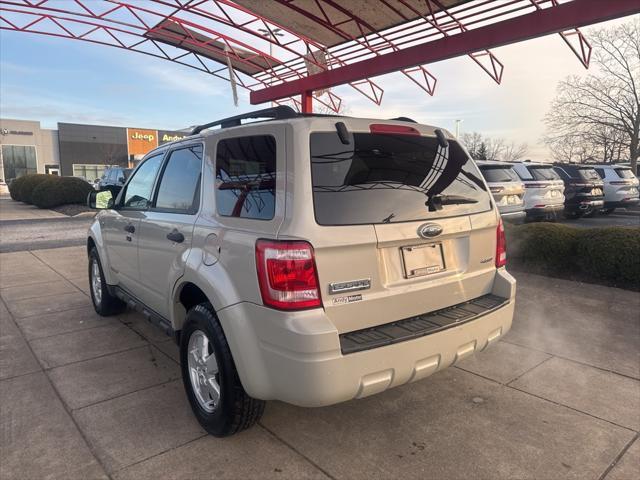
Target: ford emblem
{"points": [[429, 230]]}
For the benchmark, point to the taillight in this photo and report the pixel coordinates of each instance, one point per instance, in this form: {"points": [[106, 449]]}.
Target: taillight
{"points": [[501, 246], [287, 274]]}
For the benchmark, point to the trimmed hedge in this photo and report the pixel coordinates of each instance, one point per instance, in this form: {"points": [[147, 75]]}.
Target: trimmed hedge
{"points": [[58, 191], [21, 189], [597, 255]]}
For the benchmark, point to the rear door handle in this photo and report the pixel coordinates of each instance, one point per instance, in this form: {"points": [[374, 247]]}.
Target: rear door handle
{"points": [[130, 229], [175, 236]]}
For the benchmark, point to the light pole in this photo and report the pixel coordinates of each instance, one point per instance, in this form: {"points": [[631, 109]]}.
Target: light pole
{"points": [[458, 122], [271, 35]]}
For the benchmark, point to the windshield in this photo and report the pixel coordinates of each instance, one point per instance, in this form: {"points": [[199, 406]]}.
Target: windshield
{"points": [[589, 174], [625, 173], [380, 178], [543, 173], [498, 174]]}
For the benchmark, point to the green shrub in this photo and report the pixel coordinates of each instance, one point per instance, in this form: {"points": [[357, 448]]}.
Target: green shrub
{"points": [[61, 191], [15, 187], [550, 243], [611, 254], [597, 255], [31, 182]]}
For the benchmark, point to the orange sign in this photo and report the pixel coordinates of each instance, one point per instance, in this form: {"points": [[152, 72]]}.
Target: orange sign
{"points": [[141, 141]]}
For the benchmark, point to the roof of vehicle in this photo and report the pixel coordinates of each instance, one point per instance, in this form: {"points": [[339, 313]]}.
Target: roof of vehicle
{"points": [[494, 163], [534, 164], [284, 114], [611, 165]]}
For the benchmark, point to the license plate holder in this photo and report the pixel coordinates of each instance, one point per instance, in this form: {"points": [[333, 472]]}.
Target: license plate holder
{"points": [[421, 260]]}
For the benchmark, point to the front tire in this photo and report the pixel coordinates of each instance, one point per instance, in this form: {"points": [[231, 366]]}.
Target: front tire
{"points": [[104, 303], [210, 378]]}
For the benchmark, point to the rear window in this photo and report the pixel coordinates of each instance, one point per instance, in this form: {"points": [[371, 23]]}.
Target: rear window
{"points": [[498, 174], [381, 178], [625, 173], [589, 174], [543, 173]]}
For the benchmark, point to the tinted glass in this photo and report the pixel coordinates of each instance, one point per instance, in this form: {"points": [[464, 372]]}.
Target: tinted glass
{"points": [[381, 178], [138, 193], [498, 174], [179, 186], [543, 173], [625, 173], [589, 174], [246, 177]]}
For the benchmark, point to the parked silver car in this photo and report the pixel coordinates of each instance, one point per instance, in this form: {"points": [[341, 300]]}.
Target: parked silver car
{"points": [[544, 190], [307, 259], [620, 186], [507, 189]]}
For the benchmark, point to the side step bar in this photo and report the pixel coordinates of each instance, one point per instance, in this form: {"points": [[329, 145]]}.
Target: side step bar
{"points": [[151, 316], [419, 326]]}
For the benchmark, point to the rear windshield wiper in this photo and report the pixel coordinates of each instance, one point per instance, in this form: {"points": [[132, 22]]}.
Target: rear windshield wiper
{"points": [[436, 202]]}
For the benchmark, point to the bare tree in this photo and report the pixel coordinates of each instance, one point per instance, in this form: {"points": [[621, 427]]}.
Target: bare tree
{"points": [[472, 141], [490, 148], [598, 117], [514, 152]]}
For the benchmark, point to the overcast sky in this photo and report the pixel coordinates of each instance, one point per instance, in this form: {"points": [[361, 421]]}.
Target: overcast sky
{"points": [[58, 80]]}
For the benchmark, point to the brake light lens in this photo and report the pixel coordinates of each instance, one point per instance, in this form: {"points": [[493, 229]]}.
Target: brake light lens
{"points": [[392, 129], [501, 246], [287, 274]]}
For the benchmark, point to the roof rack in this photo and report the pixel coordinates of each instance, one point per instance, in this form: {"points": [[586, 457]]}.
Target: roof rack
{"points": [[280, 112]]}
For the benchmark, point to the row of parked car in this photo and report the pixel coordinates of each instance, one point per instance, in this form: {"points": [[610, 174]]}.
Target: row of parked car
{"points": [[543, 191]]}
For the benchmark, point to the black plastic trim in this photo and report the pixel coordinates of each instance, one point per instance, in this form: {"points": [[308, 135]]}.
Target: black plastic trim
{"points": [[421, 325]]}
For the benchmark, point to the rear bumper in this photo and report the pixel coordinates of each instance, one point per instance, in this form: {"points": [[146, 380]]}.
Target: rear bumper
{"points": [[583, 205], [297, 357], [545, 211], [514, 217], [622, 203]]}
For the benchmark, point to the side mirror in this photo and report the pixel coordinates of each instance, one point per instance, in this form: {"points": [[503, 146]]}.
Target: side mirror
{"points": [[100, 200]]}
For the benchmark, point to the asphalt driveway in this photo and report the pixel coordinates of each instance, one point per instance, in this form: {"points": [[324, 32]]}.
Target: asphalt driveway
{"points": [[87, 397]]}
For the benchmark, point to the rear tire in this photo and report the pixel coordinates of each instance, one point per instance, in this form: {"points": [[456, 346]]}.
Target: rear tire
{"points": [[104, 303], [607, 211], [572, 215], [213, 387]]}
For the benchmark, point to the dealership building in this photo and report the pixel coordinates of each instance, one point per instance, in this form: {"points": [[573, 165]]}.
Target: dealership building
{"points": [[74, 149]]}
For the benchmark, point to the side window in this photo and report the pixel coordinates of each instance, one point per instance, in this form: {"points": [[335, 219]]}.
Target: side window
{"points": [[180, 183], [601, 172], [246, 177], [138, 190]]}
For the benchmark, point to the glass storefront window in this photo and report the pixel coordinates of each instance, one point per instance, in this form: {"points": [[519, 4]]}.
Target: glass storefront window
{"points": [[89, 172], [18, 160]]}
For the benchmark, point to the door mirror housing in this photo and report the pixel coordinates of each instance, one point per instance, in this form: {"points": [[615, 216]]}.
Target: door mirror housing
{"points": [[100, 200]]}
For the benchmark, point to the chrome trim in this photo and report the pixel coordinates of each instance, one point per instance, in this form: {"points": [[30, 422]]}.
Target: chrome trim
{"points": [[349, 286]]}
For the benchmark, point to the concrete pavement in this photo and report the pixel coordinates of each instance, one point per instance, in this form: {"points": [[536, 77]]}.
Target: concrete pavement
{"points": [[88, 397]]}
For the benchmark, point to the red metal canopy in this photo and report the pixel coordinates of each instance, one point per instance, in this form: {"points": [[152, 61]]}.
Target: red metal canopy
{"points": [[279, 49]]}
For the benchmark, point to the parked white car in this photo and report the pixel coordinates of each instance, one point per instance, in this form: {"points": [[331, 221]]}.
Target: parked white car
{"points": [[507, 189], [620, 186], [307, 259], [544, 190]]}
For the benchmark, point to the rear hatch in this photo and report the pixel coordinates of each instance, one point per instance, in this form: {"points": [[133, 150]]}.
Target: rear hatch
{"points": [[588, 186], [627, 185], [505, 186], [546, 188], [407, 225]]}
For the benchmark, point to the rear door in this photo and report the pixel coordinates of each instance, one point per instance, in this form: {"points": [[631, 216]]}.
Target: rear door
{"points": [[407, 226], [121, 227], [166, 229]]}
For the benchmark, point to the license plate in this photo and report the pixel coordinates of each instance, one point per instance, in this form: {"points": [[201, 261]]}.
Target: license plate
{"points": [[555, 193], [512, 200], [422, 260], [596, 191]]}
